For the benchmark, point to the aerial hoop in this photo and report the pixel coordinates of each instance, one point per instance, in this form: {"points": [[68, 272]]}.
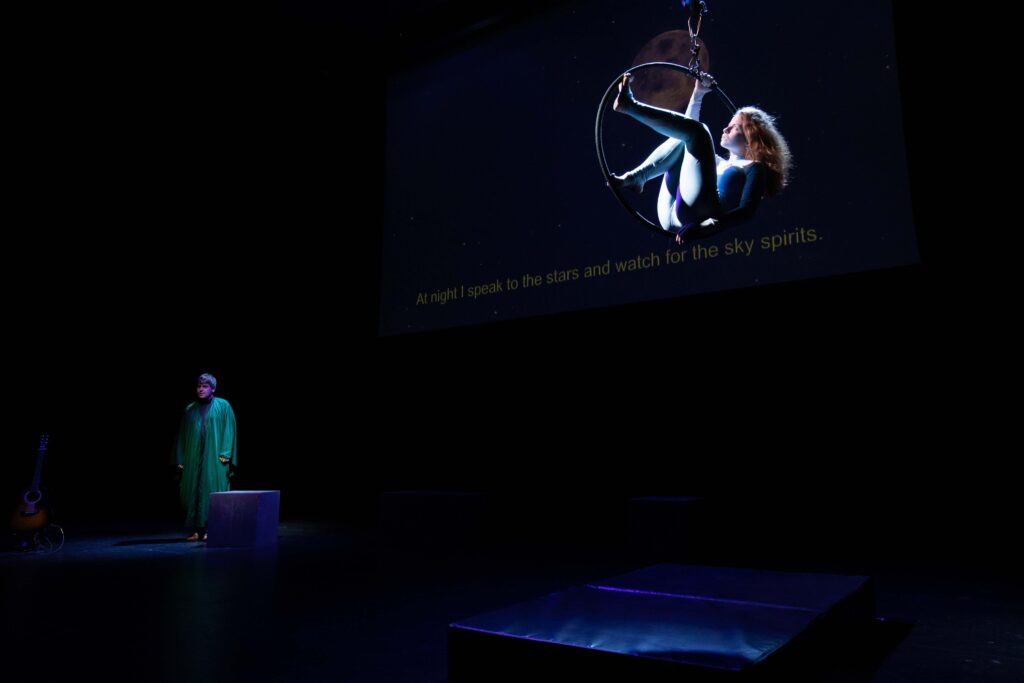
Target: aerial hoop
{"points": [[610, 94]]}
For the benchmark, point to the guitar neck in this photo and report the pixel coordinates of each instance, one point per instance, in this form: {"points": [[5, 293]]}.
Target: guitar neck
{"points": [[37, 474]]}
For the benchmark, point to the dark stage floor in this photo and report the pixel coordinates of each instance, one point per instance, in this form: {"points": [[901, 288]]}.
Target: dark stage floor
{"points": [[332, 604]]}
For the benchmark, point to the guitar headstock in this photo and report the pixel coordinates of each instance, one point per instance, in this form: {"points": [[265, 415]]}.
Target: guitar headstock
{"points": [[44, 441]]}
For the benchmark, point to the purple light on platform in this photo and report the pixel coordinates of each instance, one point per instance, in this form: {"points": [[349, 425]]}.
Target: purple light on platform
{"points": [[702, 598], [534, 639]]}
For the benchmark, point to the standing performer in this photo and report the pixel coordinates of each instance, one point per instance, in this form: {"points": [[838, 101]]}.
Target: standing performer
{"points": [[206, 453]]}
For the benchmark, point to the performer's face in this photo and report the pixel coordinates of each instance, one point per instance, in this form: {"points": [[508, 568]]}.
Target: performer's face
{"points": [[733, 138], [204, 391]]}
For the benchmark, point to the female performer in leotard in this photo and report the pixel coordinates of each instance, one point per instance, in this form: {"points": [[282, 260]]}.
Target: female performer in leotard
{"points": [[703, 193]]}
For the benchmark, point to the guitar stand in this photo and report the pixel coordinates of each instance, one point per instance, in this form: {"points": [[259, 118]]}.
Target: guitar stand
{"points": [[47, 539]]}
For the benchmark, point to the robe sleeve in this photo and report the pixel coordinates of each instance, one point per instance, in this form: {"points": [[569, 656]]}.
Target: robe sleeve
{"points": [[228, 443]]}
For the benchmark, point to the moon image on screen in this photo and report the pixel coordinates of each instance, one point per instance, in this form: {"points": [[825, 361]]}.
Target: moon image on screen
{"points": [[667, 88]]}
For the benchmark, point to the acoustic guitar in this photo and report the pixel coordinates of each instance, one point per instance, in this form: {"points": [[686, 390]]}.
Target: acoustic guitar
{"points": [[32, 514]]}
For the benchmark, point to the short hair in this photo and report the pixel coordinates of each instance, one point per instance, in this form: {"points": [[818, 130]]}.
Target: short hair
{"points": [[207, 378]]}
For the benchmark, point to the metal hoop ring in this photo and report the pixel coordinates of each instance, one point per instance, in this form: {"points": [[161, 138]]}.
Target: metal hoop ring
{"points": [[599, 130]]}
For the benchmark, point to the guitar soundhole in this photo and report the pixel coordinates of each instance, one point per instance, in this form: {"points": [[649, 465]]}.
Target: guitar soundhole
{"points": [[33, 497]]}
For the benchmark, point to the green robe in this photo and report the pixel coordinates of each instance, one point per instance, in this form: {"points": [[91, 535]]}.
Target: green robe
{"points": [[199, 452]]}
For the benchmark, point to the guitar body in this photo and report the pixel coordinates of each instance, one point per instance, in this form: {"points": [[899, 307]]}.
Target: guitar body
{"points": [[31, 514]]}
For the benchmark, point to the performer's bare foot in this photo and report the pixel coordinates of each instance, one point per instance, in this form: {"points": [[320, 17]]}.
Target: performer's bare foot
{"points": [[193, 537], [627, 183], [622, 103]]}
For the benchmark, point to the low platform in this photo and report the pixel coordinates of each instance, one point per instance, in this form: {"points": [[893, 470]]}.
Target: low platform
{"points": [[667, 622], [243, 518]]}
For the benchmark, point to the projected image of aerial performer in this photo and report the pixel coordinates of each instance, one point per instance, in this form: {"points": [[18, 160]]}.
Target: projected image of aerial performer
{"points": [[701, 192]]}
